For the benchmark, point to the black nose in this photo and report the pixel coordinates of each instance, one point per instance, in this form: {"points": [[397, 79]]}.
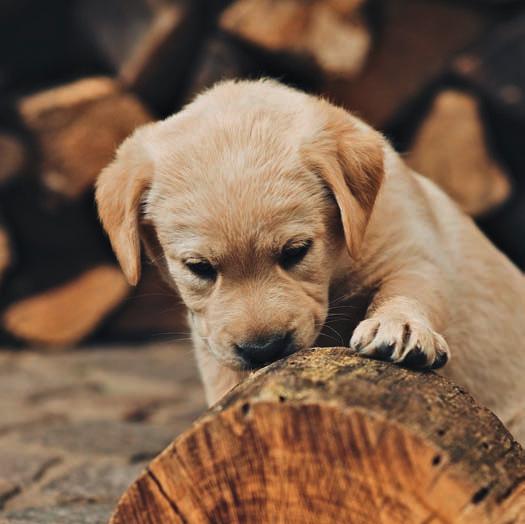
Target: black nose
{"points": [[264, 350]]}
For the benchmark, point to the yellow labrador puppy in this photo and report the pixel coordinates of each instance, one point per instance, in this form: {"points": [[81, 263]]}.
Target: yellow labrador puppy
{"points": [[275, 213]]}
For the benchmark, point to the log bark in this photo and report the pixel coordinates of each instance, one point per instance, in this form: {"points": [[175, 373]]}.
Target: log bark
{"points": [[328, 437], [450, 149]]}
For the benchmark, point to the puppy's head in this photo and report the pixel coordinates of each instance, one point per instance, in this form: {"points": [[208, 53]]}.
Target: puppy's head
{"points": [[248, 199]]}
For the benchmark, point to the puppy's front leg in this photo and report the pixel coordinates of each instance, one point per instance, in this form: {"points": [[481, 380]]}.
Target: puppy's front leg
{"points": [[216, 378], [403, 319]]}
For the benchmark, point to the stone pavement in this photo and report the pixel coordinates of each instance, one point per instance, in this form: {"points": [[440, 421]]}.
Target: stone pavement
{"points": [[77, 428]]}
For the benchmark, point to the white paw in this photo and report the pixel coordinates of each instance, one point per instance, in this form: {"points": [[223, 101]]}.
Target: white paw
{"points": [[410, 343]]}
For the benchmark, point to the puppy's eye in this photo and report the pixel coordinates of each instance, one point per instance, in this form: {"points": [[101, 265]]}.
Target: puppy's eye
{"points": [[294, 253], [201, 268]]}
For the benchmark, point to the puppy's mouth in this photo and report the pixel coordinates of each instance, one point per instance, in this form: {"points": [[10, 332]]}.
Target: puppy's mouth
{"points": [[265, 349]]}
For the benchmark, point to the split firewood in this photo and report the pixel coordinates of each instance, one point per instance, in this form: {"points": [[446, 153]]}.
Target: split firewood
{"points": [[77, 128], [148, 44], [66, 314], [332, 34], [450, 149], [328, 437], [408, 54]]}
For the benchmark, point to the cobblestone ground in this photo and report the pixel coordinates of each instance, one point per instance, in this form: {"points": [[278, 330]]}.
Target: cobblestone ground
{"points": [[77, 428]]}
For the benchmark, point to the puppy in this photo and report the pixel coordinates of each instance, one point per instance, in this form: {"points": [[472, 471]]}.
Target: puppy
{"points": [[274, 214]]}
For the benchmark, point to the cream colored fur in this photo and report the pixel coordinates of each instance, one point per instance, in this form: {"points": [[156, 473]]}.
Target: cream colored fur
{"points": [[250, 166]]}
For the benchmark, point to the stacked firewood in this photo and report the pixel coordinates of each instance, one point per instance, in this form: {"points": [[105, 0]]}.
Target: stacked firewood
{"points": [[456, 105]]}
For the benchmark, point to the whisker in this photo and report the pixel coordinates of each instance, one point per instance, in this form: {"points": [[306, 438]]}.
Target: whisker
{"points": [[328, 336], [349, 306], [336, 332], [339, 299], [338, 315], [336, 320]]}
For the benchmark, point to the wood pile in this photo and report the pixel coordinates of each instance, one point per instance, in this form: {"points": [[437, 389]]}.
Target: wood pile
{"points": [[328, 437], [98, 69]]}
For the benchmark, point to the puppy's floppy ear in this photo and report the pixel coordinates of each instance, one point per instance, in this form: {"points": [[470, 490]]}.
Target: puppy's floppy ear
{"points": [[119, 191], [348, 155]]}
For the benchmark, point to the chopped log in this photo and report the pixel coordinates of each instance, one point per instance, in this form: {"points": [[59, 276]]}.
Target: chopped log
{"points": [[450, 149], [332, 34], [328, 437], [77, 128], [409, 53], [147, 44], [67, 314]]}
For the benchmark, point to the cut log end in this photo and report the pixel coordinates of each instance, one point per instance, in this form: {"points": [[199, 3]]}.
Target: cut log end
{"points": [[64, 315], [451, 150], [77, 127], [333, 35], [325, 436]]}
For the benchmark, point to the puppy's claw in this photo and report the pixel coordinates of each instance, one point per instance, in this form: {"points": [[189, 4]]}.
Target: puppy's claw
{"points": [[441, 360], [384, 352], [416, 358], [409, 343]]}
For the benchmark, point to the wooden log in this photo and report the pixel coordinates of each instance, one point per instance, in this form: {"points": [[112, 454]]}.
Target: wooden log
{"points": [[450, 149], [148, 44], [77, 127], [66, 314], [408, 54], [328, 437], [332, 34]]}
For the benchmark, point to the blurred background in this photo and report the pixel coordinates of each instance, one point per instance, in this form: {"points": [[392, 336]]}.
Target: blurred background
{"points": [[443, 79]]}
